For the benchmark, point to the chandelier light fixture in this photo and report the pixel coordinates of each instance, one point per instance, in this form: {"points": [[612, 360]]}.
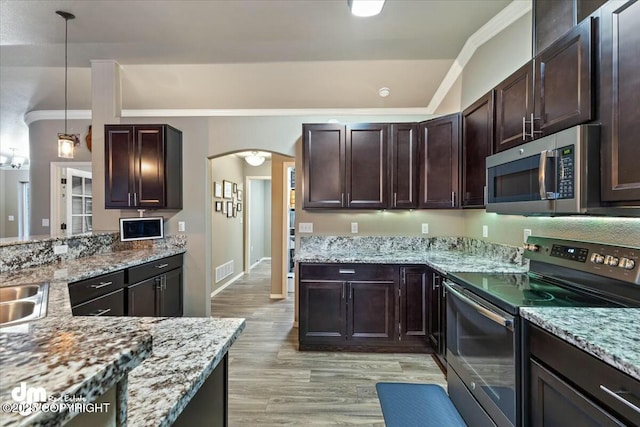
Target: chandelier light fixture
{"points": [[254, 159], [66, 142], [365, 8]]}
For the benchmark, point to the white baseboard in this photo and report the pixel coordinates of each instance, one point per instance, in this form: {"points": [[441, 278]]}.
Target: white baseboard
{"points": [[259, 261], [223, 287]]}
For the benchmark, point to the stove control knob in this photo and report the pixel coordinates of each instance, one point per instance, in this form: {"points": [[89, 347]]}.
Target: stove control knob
{"points": [[597, 258], [611, 260], [627, 264]]}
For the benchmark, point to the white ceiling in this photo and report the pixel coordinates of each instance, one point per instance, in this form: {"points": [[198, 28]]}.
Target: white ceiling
{"points": [[228, 54]]}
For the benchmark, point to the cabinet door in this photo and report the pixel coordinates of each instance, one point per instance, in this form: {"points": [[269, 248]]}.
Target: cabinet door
{"points": [[322, 312], [477, 141], [119, 166], [371, 314], [414, 303], [435, 312], [111, 304], [563, 85], [366, 165], [149, 166], [404, 165], [514, 106], [620, 108], [171, 298], [142, 298], [439, 151], [323, 157], [556, 403]]}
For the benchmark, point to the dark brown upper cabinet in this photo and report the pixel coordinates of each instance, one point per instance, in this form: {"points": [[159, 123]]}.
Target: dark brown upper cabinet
{"points": [[404, 165], [514, 106], [143, 167], [345, 166], [439, 162], [619, 104], [553, 18], [477, 142], [563, 86], [323, 159], [552, 92]]}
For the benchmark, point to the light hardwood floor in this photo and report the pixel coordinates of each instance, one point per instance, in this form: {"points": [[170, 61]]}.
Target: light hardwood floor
{"points": [[272, 383]]}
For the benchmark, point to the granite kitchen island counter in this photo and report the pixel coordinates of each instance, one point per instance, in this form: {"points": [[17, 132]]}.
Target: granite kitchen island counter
{"points": [[157, 364], [609, 334]]}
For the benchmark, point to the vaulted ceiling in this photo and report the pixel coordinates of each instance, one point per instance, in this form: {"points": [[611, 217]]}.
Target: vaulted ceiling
{"points": [[229, 54]]}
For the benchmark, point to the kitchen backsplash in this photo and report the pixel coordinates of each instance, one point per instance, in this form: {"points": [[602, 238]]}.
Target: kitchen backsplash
{"points": [[486, 249], [33, 253]]}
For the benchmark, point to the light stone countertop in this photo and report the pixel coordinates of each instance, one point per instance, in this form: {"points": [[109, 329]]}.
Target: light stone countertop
{"points": [[85, 356], [609, 334]]}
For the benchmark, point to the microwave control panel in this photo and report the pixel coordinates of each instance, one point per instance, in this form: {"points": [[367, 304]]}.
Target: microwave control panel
{"points": [[566, 168]]}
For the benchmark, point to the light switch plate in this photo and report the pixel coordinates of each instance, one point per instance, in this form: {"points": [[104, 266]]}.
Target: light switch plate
{"points": [[11, 218], [180, 225], [305, 227], [527, 233], [485, 231], [354, 227], [425, 228], [45, 222]]}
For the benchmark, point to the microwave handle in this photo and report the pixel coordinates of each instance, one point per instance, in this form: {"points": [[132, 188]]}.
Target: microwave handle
{"points": [[542, 175]]}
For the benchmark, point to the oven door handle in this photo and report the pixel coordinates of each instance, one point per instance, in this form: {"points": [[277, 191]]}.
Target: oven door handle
{"points": [[495, 317]]}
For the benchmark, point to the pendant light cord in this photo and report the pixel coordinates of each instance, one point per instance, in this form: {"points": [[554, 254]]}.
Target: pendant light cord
{"points": [[66, 36]]}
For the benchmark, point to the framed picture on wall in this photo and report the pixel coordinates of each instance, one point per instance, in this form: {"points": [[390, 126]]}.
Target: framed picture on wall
{"points": [[217, 190], [227, 189], [235, 187], [235, 212], [218, 206], [239, 206], [239, 195], [223, 207], [230, 209]]}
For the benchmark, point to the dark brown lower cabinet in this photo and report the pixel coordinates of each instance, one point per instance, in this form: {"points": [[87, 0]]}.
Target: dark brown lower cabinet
{"points": [[157, 296], [437, 316], [569, 387], [362, 307], [111, 304]]}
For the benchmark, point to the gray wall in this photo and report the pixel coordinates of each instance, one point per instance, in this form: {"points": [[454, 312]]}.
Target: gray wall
{"points": [[259, 215], [9, 183], [43, 145]]}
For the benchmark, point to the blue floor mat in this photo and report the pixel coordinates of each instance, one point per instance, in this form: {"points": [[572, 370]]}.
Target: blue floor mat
{"points": [[414, 405]]}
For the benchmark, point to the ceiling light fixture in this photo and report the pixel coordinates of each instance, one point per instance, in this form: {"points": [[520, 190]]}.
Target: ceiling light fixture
{"points": [[365, 8], [66, 142], [254, 159], [384, 92]]}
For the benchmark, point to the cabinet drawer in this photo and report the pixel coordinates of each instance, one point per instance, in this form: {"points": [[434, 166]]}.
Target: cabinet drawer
{"points": [[572, 363], [85, 290], [348, 272], [153, 268], [111, 304]]}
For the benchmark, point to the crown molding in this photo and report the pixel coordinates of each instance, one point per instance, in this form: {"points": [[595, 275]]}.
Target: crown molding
{"points": [[507, 16], [36, 115]]}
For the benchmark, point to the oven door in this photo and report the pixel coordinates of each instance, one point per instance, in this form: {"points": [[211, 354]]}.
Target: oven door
{"points": [[482, 350]]}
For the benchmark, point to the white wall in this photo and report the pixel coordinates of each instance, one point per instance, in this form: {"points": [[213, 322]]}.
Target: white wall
{"points": [[10, 180]]}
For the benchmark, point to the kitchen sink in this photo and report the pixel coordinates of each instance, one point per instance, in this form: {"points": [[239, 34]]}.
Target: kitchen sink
{"points": [[23, 303]]}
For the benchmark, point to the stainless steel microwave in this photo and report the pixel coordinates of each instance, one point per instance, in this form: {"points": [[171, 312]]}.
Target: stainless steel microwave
{"points": [[558, 174], [141, 228]]}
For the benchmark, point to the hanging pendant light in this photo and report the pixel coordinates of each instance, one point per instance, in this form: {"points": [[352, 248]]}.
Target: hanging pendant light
{"points": [[66, 142]]}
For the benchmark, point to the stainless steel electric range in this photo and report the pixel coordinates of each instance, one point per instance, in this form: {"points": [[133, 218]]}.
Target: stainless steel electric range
{"points": [[483, 323]]}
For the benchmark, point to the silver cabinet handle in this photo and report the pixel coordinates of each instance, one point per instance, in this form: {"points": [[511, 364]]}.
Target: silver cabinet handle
{"points": [[135, 199], [128, 199], [162, 265], [347, 271], [348, 199], [434, 282], [342, 199], [395, 200], [620, 398], [343, 285], [453, 199], [101, 285], [524, 129], [100, 312], [533, 132]]}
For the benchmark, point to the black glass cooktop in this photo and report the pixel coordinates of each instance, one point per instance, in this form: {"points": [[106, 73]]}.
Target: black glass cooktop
{"points": [[510, 291]]}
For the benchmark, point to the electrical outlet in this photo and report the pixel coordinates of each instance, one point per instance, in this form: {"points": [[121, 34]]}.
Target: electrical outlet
{"points": [[180, 225], [354, 227], [305, 227], [60, 249], [425, 228], [527, 233], [11, 218], [485, 231], [45, 222]]}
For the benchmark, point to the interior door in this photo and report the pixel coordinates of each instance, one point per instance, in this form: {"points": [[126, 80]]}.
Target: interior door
{"points": [[79, 201]]}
